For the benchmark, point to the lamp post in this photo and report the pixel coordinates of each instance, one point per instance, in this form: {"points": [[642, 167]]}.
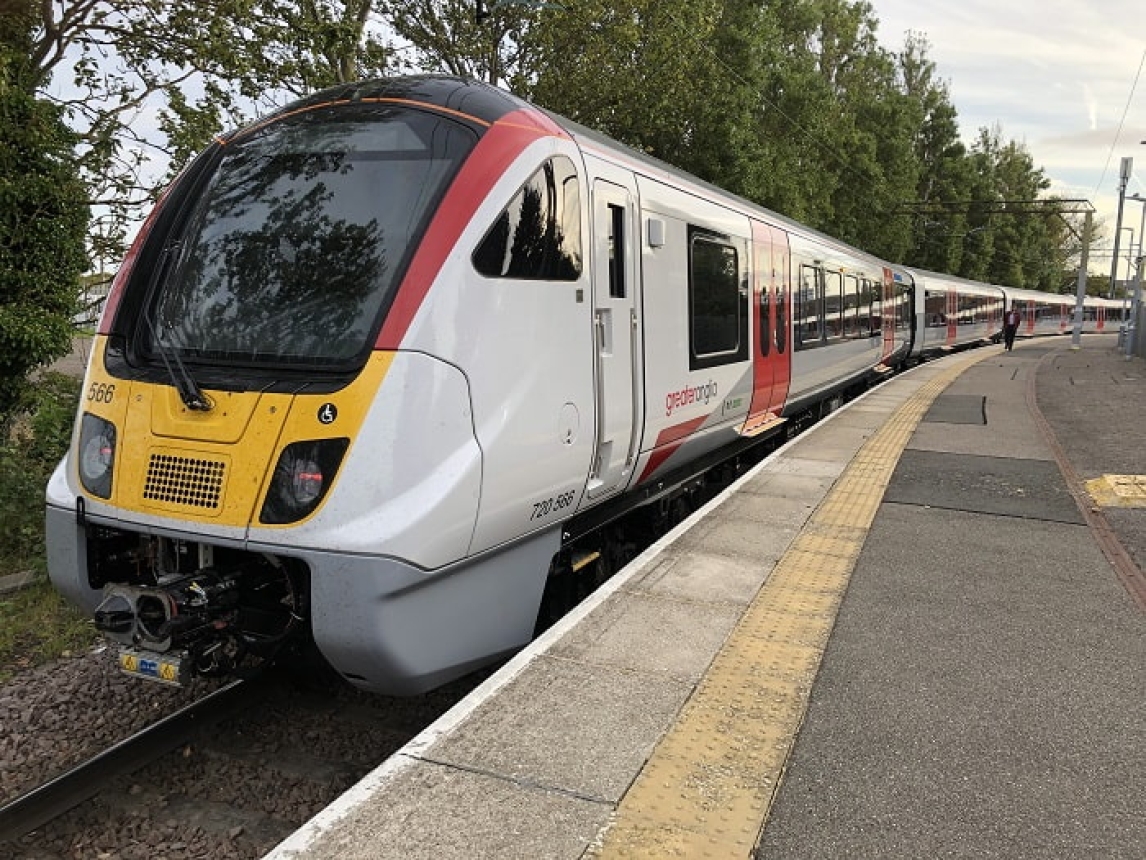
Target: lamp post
{"points": [[1132, 340], [1132, 322], [1123, 178], [1129, 259], [1138, 198]]}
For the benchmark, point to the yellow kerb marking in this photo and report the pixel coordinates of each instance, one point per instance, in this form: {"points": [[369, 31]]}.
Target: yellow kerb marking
{"points": [[709, 785], [1118, 491]]}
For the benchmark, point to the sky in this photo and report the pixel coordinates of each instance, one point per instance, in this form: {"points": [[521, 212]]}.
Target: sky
{"points": [[1065, 78]]}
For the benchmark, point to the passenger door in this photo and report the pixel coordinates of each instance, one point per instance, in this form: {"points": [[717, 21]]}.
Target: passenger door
{"points": [[616, 338], [771, 366], [889, 307]]}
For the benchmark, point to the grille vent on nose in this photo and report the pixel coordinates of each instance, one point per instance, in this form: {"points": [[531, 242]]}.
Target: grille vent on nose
{"points": [[190, 481]]}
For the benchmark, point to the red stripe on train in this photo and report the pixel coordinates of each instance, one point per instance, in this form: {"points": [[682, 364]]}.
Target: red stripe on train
{"points": [[496, 150], [668, 442]]}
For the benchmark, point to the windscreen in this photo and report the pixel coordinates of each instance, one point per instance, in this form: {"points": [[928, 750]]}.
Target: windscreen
{"points": [[296, 244]]}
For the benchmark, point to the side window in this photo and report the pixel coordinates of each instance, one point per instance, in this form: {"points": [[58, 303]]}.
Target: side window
{"points": [[765, 322], [616, 251], [808, 303], [935, 308], [852, 297], [538, 235], [833, 303], [868, 324], [983, 310], [781, 320], [718, 300]]}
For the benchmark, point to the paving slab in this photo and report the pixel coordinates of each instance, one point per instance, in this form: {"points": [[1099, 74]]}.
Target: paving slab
{"points": [[1032, 489], [835, 443], [792, 479], [958, 409], [567, 726], [443, 813], [752, 530], [698, 576], [652, 634]]}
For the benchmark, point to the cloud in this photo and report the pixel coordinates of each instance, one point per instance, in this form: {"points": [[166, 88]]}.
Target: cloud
{"points": [[1064, 78]]}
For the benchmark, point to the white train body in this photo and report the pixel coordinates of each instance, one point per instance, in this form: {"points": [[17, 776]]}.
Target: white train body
{"points": [[569, 330]]}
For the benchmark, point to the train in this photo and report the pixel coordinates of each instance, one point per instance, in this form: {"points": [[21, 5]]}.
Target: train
{"points": [[384, 366]]}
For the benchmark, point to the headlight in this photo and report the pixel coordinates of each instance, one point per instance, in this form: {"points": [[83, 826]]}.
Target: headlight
{"points": [[302, 476], [97, 455]]}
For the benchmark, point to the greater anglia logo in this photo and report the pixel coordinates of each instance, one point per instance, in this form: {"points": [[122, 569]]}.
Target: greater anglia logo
{"points": [[689, 395]]}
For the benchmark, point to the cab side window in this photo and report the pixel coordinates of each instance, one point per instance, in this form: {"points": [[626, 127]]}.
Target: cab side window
{"points": [[538, 235]]}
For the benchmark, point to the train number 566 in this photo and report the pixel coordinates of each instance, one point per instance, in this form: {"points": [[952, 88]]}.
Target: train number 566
{"points": [[101, 392]]}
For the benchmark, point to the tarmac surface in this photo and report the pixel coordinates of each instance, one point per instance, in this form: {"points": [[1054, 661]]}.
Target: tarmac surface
{"points": [[75, 363], [982, 693], [910, 633]]}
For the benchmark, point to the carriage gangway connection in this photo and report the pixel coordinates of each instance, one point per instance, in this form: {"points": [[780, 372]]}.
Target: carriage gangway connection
{"points": [[914, 631]]}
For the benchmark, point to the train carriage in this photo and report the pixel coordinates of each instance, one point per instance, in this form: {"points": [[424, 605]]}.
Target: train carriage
{"points": [[952, 312], [376, 364], [1046, 313]]}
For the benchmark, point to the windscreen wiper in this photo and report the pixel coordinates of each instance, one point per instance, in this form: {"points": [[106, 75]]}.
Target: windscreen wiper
{"points": [[190, 393]]}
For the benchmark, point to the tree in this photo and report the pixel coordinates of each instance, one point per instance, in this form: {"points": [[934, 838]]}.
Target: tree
{"points": [[43, 220], [870, 135], [1020, 239], [628, 69], [446, 37], [188, 69], [939, 236]]}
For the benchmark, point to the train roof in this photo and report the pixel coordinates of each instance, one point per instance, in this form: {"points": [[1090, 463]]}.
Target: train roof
{"points": [[924, 275], [462, 96]]}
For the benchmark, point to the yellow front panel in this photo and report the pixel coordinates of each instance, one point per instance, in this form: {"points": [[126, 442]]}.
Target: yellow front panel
{"points": [[192, 475], [215, 466]]}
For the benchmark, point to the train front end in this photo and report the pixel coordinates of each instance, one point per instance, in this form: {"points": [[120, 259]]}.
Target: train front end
{"points": [[250, 421]]}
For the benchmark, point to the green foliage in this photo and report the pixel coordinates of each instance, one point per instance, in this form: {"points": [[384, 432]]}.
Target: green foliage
{"points": [[447, 38], [29, 451], [37, 625], [43, 220], [793, 104]]}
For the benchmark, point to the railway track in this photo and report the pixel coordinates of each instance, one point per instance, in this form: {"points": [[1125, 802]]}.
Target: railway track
{"points": [[37, 807], [226, 778]]}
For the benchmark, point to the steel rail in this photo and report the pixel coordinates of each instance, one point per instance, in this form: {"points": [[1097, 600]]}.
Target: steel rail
{"points": [[40, 805]]}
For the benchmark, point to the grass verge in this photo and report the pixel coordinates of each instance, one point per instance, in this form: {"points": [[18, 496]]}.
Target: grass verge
{"points": [[36, 625]]}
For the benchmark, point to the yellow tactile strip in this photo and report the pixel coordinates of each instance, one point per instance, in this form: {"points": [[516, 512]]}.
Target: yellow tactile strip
{"points": [[1118, 491], [707, 789]]}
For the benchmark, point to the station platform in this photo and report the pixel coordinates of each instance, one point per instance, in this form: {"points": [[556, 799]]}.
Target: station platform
{"points": [[911, 632]]}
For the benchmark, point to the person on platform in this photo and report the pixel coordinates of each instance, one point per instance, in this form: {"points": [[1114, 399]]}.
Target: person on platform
{"points": [[1011, 327]]}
